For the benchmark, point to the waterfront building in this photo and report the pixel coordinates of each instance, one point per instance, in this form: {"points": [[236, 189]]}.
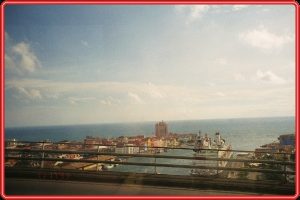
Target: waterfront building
{"points": [[172, 142], [161, 129], [285, 144], [157, 142], [126, 148], [262, 151], [288, 139], [11, 143], [129, 149], [140, 146], [64, 144], [90, 142], [120, 148], [136, 138], [122, 139]]}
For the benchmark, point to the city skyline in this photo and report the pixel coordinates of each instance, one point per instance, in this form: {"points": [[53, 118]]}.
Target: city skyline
{"points": [[105, 64]]}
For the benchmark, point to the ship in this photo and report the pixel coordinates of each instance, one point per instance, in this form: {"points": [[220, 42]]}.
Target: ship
{"points": [[206, 147]]}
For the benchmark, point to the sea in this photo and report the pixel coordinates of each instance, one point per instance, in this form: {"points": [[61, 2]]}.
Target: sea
{"points": [[241, 133]]}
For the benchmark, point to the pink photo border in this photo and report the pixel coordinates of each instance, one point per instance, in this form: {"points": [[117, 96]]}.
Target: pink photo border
{"points": [[145, 2]]}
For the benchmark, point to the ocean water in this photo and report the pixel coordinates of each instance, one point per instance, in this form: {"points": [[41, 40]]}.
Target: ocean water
{"points": [[242, 134]]}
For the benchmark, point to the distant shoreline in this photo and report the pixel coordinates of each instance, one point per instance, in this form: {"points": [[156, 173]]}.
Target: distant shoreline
{"points": [[143, 122], [242, 133]]}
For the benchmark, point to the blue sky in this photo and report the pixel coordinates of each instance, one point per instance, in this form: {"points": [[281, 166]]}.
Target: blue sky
{"points": [[99, 64]]}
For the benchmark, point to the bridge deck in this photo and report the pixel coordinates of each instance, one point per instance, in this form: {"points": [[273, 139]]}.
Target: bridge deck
{"points": [[42, 180], [19, 186]]}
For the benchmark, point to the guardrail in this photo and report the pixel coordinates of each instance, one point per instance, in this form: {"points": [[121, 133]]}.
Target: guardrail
{"points": [[157, 165], [43, 143], [42, 157], [152, 156]]}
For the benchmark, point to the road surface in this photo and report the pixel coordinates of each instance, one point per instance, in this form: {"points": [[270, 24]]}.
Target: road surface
{"points": [[14, 186]]}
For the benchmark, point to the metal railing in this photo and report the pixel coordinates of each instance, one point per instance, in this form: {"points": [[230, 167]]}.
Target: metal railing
{"points": [[43, 143], [21, 154]]}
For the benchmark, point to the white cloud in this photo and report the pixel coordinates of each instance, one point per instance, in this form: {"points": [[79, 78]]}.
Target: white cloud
{"points": [[264, 39], [141, 93], [35, 94], [197, 12], [10, 63], [84, 43], [239, 7], [106, 102], [27, 59], [20, 57], [76, 100], [193, 12], [110, 101], [133, 95], [220, 94], [32, 94], [52, 96], [211, 84], [153, 91], [135, 98], [128, 101], [221, 61], [239, 77], [269, 76]]}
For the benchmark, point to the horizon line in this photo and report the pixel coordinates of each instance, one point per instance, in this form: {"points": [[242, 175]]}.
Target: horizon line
{"points": [[147, 121]]}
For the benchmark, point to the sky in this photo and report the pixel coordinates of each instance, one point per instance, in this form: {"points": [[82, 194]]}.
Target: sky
{"points": [[72, 64]]}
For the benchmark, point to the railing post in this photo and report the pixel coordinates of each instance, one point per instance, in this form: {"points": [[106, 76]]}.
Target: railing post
{"points": [[285, 174], [155, 166], [97, 165], [43, 155], [139, 149], [155, 160], [218, 162]]}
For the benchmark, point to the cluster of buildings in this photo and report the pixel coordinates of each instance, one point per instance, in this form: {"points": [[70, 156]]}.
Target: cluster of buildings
{"points": [[122, 145], [285, 144], [127, 145], [138, 143]]}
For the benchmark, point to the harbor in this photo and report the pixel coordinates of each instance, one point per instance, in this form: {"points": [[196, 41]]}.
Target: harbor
{"points": [[199, 162], [114, 154]]}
